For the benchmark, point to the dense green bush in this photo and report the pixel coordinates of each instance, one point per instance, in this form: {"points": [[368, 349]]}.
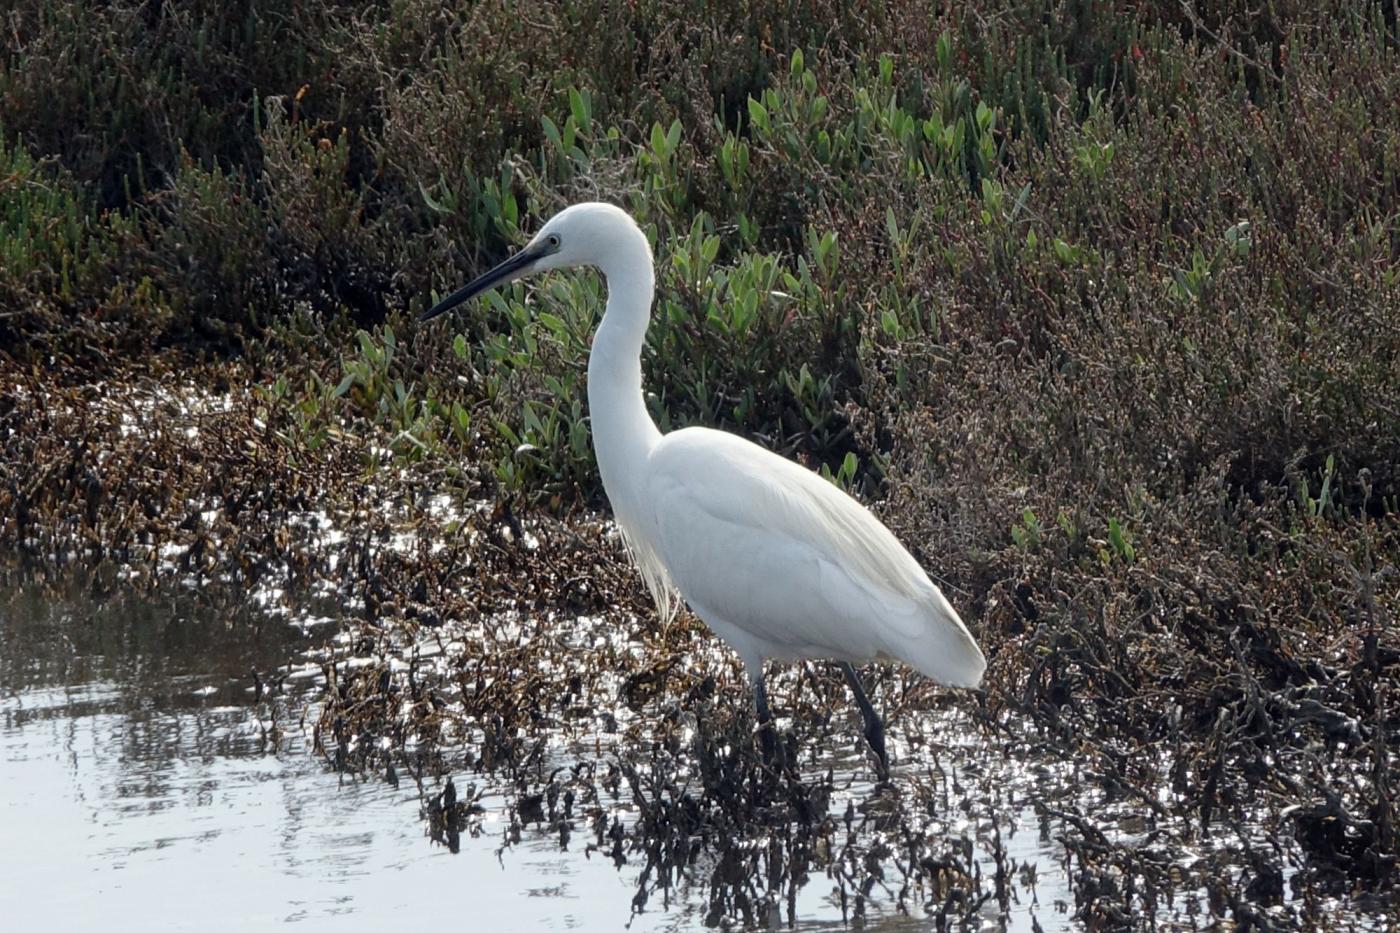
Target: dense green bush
{"points": [[1172, 227], [1201, 204]]}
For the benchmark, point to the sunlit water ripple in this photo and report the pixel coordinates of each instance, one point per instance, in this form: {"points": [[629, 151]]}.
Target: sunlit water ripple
{"points": [[141, 789]]}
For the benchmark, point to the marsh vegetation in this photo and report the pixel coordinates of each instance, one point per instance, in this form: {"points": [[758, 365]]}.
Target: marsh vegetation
{"points": [[1095, 305]]}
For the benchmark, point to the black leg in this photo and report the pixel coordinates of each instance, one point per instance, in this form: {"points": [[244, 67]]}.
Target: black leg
{"points": [[767, 733], [874, 728], [760, 701]]}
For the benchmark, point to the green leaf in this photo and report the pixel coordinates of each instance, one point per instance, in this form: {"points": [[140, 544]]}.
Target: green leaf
{"points": [[709, 249], [889, 323], [552, 131], [433, 203], [579, 108], [554, 322], [985, 116], [943, 51], [1119, 540], [1239, 239], [758, 114], [1021, 199], [848, 467]]}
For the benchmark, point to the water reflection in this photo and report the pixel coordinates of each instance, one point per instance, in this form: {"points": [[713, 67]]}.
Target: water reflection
{"points": [[140, 788], [153, 775]]}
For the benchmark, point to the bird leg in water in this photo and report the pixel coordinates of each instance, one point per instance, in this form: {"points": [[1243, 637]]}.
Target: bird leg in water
{"points": [[767, 732], [874, 728]]}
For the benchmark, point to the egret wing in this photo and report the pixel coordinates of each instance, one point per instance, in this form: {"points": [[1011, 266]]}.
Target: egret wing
{"points": [[773, 549]]}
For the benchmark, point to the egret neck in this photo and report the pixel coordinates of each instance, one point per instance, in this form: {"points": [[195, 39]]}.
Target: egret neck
{"points": [[623, 432]]}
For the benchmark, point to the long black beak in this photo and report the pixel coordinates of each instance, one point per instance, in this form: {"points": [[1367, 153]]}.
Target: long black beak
{"points": [[511, 269]]}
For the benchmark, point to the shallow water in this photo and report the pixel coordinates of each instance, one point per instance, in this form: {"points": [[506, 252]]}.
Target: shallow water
{"points": [[145, 785]]}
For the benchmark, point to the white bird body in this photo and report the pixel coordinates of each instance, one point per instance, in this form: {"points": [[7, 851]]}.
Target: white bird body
{"points": [[782, 564], [776, 560]]}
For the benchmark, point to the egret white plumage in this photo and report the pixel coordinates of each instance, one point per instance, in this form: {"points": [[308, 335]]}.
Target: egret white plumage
{"points": [[776, 560]]}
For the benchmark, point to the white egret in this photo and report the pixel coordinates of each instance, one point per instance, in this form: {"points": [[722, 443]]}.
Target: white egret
{"points": [[776, 560]]}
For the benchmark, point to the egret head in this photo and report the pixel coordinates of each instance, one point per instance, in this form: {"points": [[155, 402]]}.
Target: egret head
{"points": [[592, 234]]}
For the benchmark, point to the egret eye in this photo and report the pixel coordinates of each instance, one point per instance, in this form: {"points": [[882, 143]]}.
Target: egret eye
{"points": [[552, 240]]}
